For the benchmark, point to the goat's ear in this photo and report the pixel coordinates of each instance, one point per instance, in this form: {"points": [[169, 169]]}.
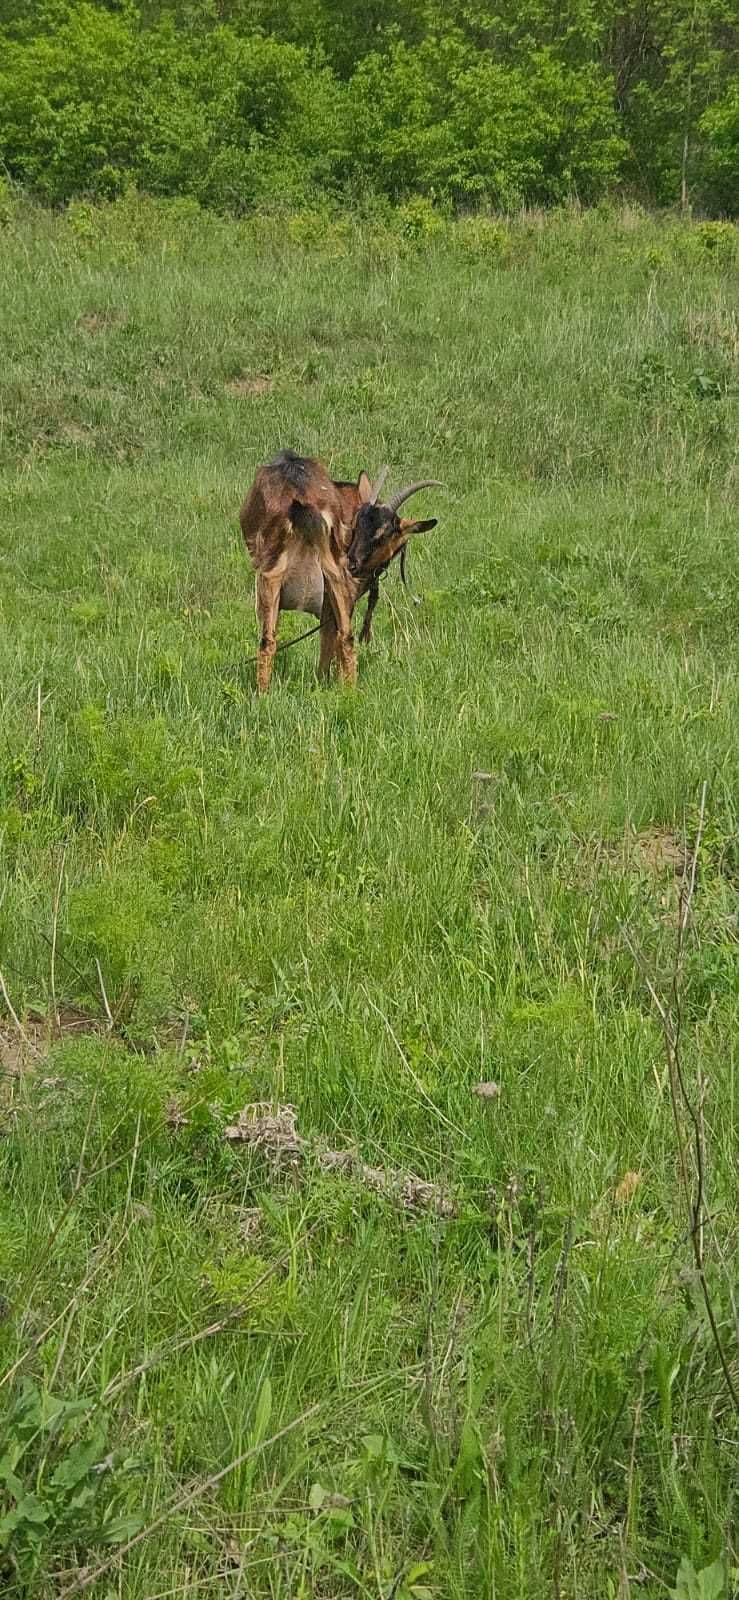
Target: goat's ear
{"points": [[364, 487], [409, 527]]}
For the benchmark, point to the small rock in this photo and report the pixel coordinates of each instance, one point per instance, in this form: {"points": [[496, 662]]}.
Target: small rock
{"points": [[486, 1091]]}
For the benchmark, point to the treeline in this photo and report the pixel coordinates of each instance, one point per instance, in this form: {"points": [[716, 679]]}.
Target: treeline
{"points": [[248, 104]]}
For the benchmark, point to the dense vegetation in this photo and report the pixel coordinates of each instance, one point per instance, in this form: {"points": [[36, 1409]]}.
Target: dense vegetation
{"points": [[365, 905], [243, 104]]}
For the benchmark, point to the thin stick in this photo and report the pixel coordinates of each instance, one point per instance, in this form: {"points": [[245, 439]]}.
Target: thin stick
{"points": [[102, 1258], [54, 926], [631, 1474], [134, 1159], [185, 1500], [39, 1338], [432, 1417]]}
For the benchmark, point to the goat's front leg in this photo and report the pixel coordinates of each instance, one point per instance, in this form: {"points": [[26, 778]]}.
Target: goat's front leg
{"points": [[374, 595], [328, 640], [268, 608]]}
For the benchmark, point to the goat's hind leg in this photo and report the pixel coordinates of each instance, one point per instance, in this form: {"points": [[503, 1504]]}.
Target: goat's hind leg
{"points": [[343, 642], [268, 609], [333, 566]]}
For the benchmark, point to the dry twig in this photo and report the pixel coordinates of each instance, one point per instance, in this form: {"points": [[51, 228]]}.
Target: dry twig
{"points": [[670, 1015]]}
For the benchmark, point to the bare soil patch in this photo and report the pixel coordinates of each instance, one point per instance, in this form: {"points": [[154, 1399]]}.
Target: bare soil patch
{"points": [[74, 433], [654, 852], [95, 322], [23, 1051], [250, 385]]}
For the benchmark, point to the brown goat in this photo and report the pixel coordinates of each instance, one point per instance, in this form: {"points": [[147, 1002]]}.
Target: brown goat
{"points": [[317, 545]]}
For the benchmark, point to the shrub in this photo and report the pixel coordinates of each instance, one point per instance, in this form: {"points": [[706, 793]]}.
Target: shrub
{"points": [[483, 238], [419, 221], [717, 239], [720, 128]]}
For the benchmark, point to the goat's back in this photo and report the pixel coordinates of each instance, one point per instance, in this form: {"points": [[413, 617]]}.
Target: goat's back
{"points": [[290, 492]]}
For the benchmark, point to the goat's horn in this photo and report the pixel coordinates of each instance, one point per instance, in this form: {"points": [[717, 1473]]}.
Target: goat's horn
{"points": [[377, 485], [401, 495]]}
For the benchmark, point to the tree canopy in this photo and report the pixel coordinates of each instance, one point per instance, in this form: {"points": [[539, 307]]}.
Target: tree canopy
{"points": [[254, 103]]}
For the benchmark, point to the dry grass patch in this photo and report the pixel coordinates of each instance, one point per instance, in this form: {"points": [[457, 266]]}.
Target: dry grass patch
{"points": [[249, 385]]}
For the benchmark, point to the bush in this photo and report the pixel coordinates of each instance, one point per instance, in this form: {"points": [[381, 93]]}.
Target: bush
{"points": [[233, 122], [453, 123], [717, 239], [419, 221], [93, 100], [483, 238]]}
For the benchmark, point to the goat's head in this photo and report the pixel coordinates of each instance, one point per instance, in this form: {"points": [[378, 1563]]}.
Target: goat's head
{"points": [[378, 533]]}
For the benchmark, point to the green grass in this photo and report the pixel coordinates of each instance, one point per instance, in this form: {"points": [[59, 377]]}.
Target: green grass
{"points": [[312, 900]]}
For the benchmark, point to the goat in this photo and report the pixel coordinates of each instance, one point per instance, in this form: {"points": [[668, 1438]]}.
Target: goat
{"points": [[317, 545]]}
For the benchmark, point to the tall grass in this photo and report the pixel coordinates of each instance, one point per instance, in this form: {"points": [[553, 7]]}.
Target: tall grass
{"points": [[364, 905]]}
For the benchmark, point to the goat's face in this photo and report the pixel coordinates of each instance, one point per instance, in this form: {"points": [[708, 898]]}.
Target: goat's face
{"points": [[378, 535]]}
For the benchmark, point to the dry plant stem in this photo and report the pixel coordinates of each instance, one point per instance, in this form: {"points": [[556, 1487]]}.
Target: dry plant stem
{"points": [[71, 1305], [108, 1012], [103, 1257], [54, 928], [671, 1022], [530, 1289], [185, 1500], [560, 1285], [635, 1434], [15, 1019], [432, 1417], [406, 1063]]}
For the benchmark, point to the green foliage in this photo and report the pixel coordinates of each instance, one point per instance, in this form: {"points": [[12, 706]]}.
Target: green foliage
{"points": [[60, 1489], [450, 123], [249, 105], [718, 239], [708, 1584], [238, 1279], [100, 103], [720, 127]]}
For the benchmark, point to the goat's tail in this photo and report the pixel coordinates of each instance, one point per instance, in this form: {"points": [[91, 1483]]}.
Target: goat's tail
{"points": [[307, 521]]}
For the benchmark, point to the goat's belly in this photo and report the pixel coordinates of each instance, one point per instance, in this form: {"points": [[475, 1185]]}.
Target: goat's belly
{"points": [[303, 591]]}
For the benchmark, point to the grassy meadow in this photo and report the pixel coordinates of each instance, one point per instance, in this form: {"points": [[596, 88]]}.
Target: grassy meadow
{"points": [[362, 905]]}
